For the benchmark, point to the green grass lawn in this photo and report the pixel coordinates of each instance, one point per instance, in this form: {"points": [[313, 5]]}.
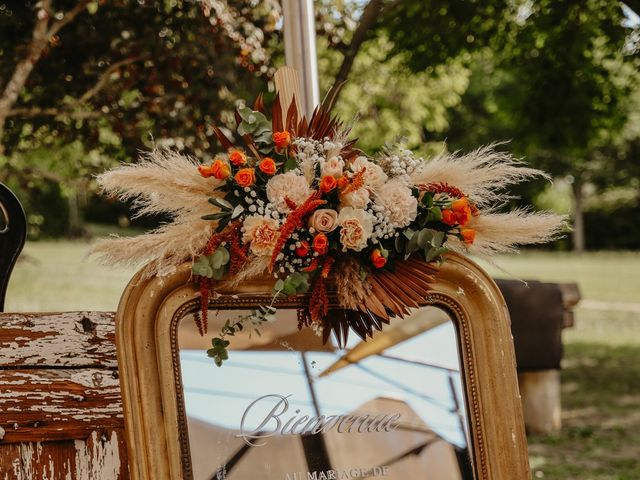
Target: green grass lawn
{"points": [[600, 439]]}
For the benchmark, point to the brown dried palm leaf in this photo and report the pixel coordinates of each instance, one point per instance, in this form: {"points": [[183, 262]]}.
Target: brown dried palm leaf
{"points": [[380, 297]]}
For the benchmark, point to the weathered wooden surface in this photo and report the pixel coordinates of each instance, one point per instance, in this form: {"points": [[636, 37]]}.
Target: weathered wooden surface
{"points": [[52, 404], [75, 339], [60, 403], [102, 456]]}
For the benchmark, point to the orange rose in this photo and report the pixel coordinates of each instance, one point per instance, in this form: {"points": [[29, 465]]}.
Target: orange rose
{"points": [[267, 166], [343, 182], [449, 217], [462, 210], [245, 177], [468, 235], [220, 169], [320, 244], [327, 184], [378, 259], [281, 139], [303, 249], [237, 157]]}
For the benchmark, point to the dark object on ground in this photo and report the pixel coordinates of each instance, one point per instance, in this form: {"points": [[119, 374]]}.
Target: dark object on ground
{"points": [[13, 232], [539, 311]]}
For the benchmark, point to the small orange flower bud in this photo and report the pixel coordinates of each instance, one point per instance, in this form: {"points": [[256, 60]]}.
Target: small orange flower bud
{"points": [[320, 244], [303, 249], [328, 183], [281, 139], [343, 182], [468, 235], [267, 166], [245, 177], [449, 217], [237, 157], [462, 210], [378, 259], [205, 171]]}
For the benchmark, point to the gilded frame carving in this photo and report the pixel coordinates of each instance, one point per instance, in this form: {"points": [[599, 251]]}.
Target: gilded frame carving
{"points": [[146, 340]]}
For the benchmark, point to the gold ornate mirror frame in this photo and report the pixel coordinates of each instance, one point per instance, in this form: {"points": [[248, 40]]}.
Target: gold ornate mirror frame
{"points": [[150, 378]]}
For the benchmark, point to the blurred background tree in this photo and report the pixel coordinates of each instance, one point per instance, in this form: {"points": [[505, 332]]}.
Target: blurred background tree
{"points": [[89, 83], [557, 79], [97, 81]]}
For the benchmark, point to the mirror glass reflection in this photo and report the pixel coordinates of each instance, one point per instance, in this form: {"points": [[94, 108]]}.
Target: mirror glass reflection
{"points": [[286, 407]]}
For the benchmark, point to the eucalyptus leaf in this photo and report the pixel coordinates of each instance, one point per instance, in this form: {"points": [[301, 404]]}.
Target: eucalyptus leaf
{"points": [[215, 216], [438, 239], [290, 164], [221, 203], [424, 237], [237, 212], [218, 273], [202, 268]]}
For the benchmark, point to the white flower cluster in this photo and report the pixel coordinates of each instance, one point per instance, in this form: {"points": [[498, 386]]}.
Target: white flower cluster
{"points": [[395, 207], [397, 161], [310, 153]]}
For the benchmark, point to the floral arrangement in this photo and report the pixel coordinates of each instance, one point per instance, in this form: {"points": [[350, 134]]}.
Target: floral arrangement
{"points": [[296, 200]]}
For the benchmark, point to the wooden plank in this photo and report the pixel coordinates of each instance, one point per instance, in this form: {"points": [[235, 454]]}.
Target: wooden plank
{"points": [[73, 339], [52, 404], [101, 455]]}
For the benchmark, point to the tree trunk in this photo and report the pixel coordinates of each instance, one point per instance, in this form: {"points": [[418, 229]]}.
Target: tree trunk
{"points": [[578, 234], [43, 32]]}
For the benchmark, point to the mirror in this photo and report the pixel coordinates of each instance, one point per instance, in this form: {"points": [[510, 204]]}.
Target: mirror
{"points": [[286, 407], [396, 388]]}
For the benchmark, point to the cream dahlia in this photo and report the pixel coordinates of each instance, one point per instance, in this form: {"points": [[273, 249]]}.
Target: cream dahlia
{"points": [[290, 185], [399, 205], [261, 233]]}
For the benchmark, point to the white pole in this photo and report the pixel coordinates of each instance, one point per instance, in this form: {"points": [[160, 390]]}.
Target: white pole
{"points": [[300, 49]]}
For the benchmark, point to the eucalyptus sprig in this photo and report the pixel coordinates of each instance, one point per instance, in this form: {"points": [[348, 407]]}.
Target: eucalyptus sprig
{"points": [[295, 283]]}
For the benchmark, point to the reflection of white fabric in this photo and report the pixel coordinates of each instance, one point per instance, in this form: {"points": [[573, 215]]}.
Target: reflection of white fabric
{"points": [[436, 461], [212, 446]]}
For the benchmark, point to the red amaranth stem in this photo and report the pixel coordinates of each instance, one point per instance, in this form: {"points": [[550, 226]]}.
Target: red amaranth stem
{"points": [[293, 222], [442, 187]]}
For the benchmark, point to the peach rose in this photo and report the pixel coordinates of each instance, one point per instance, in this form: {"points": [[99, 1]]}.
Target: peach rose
{"points": [[332, 167], [267, 166], [324, 220], [356, 228], [262, 233], [245, 177]]}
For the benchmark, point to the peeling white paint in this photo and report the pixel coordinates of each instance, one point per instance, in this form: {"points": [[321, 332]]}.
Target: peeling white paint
{"points": [[102, 461], [57, 339], [2, 432]]}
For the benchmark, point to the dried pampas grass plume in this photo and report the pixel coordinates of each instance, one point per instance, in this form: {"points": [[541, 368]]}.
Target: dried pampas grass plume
{"points": [[482, 174], [162, 182], [503, 232]]}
